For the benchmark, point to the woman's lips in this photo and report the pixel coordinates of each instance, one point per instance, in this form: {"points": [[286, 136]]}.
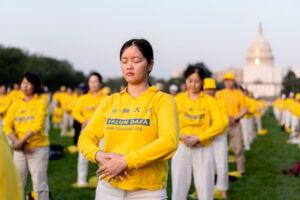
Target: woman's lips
{"points": [[129, 74]]}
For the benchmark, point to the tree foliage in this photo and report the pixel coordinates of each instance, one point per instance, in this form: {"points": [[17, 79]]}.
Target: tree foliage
{"points": [[290, 83], [15, 62]]}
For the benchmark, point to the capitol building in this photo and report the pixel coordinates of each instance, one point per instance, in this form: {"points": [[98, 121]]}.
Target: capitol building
{"points": [[260, 75]]}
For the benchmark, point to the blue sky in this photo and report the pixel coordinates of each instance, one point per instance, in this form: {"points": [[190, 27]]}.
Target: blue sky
{"points": [[90, 34]]}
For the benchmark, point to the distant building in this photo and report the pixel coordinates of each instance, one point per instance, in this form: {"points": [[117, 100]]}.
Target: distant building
{"points": [[259, 74]]}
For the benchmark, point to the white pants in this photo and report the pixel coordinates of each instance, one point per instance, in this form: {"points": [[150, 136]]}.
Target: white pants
{"points": [[258, 123], [37, 164], [247, 128], [82, 170], [288, 119], [47, 124], [197, 161], [67, 122], [105, 191], [276, 113], [220, 146], [294, 124]]}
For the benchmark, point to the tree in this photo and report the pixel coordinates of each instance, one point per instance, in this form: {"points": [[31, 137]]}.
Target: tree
{"points": [[290, 83]]}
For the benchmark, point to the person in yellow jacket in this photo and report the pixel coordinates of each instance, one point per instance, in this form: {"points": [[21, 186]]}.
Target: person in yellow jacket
{"points": [[247, 122], [139, 126], [83, 112], [237, 108], [68, 102], [57, 116], [288, 111], [16, 94], [277, 108], [219, 142], [295, 136], [5, 101], [10, 183], [261, 108], [25, 126], [200, 119]]}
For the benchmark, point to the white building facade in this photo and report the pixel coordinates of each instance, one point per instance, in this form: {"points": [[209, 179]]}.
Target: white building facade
{"points": [[260, 76]]}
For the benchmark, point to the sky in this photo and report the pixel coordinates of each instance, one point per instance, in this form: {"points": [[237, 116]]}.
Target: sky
{"points": [[90, 33]]}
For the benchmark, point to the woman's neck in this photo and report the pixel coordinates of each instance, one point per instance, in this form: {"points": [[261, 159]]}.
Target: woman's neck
{"points": [[95, 93], [28, 98], [135, 90], [193, 95]]}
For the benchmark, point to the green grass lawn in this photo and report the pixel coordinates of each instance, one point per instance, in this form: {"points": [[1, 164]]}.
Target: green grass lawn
{"points": [[268, 156]]}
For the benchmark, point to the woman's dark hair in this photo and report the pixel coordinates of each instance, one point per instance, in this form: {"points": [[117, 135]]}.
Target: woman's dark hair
{"points": [[143, 45], [96, 74], [194, 69], [35, 80]]}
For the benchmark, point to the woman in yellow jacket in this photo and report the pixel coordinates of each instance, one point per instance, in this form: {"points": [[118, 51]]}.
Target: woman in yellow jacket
{"points": [[25, 126], [139, 126], [200, 120], [83, 112]]}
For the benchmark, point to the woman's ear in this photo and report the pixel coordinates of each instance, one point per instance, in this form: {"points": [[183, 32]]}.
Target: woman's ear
{"points": [[150, 66]]}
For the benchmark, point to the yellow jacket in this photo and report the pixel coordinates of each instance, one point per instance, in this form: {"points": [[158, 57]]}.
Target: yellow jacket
{"points": [[57, 115], [251, 104], [87, 105], [68, 102], [261, 106], [288, 104], [144, 129], [16, 95], [201, 117], [296, 109], [22, 117], [10, 183], [234, 99], [5, 102], [224, 112]]}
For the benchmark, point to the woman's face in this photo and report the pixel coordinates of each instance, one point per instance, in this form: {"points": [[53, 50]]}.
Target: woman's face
{"points": [[94, 83], [193, 83], [27, 87], [134, 65]]}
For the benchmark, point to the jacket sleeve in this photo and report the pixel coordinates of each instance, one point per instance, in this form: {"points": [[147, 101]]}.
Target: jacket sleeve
{"points": [[9, 119], [89, 139], [217, 124], [77, 112]]}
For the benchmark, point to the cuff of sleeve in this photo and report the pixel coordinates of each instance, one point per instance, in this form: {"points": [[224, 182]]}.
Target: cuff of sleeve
{"points": [[203, 139], [7, 130], [130, 158], [93, 158]]}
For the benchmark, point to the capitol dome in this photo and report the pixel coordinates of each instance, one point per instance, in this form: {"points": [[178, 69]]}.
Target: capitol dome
{"points": [[260, 52]]}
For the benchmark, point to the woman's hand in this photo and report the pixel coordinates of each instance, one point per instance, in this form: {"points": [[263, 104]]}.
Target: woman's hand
{"points": [[103, 158], [191, 140], [116, 165], [18, 145]]}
